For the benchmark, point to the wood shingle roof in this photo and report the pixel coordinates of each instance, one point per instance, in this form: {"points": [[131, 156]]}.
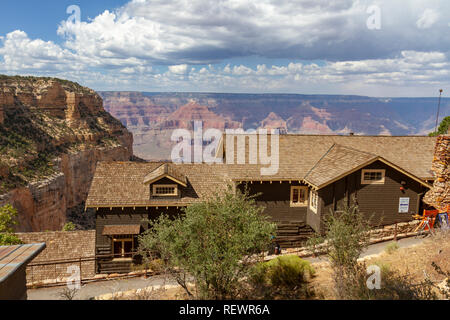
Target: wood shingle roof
{"points": [[314, 158]]}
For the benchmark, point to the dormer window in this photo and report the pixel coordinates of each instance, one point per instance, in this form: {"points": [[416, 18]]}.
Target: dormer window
{"points": [[165, 190]]}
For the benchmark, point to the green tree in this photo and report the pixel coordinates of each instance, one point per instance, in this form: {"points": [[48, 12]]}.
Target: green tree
{"points": [[213, 244], [8, 220], [443, 127]]}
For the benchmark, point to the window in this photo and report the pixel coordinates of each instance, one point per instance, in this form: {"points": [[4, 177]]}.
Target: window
{"points": [[299, 196], [314, 201], [165, 190], [372, 176], [123, 246]]}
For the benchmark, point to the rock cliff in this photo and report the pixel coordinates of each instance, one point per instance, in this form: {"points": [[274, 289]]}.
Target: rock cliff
{"points": [[52, 133], [439, 195]]}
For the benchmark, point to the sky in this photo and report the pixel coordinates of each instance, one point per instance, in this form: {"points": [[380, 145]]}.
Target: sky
{"points": [[380, 48]]}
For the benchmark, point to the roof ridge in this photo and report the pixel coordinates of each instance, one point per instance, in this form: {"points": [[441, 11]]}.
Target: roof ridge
{"points": [[315, 165], [357, 150]]}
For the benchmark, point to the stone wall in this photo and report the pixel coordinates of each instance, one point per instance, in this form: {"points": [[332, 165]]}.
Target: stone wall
{"points": [[439, 195], [60, 246]]}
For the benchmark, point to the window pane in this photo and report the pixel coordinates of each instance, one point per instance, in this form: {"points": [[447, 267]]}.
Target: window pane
{"points": [[295, 197]]}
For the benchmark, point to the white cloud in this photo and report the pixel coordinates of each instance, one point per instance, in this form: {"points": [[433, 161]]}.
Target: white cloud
{"points": [[179, 69], [428, 18], [156, 44]]}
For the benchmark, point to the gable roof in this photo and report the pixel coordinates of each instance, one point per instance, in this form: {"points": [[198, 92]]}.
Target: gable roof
{"points": [[317, 160], [335, 163], [121, 184], [341, 161], [166, 170], [299, 153]]}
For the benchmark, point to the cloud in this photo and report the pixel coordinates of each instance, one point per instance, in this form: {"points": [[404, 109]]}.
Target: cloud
{"points": [[427, 19], [179, 69], [209, 45], [210, 31]]}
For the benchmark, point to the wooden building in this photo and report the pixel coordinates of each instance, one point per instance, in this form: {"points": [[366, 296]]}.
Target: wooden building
{"points": [[385, 176]]}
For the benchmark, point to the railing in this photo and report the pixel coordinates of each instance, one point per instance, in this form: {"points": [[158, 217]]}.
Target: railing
{"points": [[57, 272]]}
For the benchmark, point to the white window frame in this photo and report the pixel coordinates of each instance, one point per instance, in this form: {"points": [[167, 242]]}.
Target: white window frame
{"points": [[299, 204], [382, 171], [314, 196], [165, 186]]}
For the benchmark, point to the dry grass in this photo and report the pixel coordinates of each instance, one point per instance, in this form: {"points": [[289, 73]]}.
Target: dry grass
{"points": [[415, 260]]}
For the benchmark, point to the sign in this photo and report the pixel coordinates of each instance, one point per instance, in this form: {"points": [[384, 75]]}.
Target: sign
{"points": [[403, 205]]}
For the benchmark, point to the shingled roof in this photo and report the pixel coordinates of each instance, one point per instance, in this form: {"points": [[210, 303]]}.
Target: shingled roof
{"points": [[336, 162], [166, 170], [299, 153], [311, 158]]}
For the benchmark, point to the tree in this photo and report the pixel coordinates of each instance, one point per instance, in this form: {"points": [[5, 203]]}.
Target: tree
{"points": [[8, 220], [443, 127], [213, 243]]}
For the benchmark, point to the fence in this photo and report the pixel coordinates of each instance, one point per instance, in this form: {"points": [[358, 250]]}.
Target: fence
{"points": [[58, 272]]}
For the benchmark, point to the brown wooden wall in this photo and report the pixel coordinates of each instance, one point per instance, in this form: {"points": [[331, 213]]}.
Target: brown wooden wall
{"points": [[378, 201], [275, 198], [128, 216]]}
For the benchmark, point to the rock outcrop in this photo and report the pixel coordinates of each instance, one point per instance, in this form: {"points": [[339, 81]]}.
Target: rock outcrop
{"points": [[52, 133], [439, 195]]}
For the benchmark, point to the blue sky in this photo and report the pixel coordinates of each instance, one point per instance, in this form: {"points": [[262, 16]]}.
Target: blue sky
{"points": [[367, 47]]}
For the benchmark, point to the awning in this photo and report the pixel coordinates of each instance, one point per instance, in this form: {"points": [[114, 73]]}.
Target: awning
{"points": [[117, 230]]}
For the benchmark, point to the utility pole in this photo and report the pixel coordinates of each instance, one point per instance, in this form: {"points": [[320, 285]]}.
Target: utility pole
{"points": [[439, 106]]}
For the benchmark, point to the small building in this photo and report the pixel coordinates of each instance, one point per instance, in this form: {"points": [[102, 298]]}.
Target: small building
{"points": [[385, 176], [13, 264]]}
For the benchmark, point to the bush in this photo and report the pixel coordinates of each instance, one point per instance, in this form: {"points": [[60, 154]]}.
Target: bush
{"points": [[284, 277], [8, 216], [69, 226], [391, 247], [9, 239], [214, 243], [393, 286]]}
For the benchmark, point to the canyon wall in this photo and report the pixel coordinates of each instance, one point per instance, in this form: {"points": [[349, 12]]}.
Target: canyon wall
{"points": [[439, 195], [52, 135], [152, 116]]}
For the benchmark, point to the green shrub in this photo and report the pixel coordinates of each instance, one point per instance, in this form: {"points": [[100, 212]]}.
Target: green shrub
{"points": [[69, 226], [391, 247], [283, 277], [9, 239], [214, 243]]}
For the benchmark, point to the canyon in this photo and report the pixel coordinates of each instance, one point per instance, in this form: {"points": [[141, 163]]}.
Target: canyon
{"points": [[152, 117], [52, 133]]}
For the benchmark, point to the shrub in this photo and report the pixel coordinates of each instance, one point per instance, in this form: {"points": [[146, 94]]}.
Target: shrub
{"points": [[9, 239], [214, 243], [284, 277], [391, 247], [8, 217], [393, 286], [69, 226]]}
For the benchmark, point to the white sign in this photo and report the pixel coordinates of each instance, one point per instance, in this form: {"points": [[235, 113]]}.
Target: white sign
{"points": [[403, 206]]}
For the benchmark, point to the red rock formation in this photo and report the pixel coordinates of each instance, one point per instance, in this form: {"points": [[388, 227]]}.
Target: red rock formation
{"points": [[77, 133], [439, 195], [274, 121], [185, 115]]}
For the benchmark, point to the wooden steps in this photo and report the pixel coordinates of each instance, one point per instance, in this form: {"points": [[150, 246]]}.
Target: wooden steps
{"points": [[293, 234]]}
